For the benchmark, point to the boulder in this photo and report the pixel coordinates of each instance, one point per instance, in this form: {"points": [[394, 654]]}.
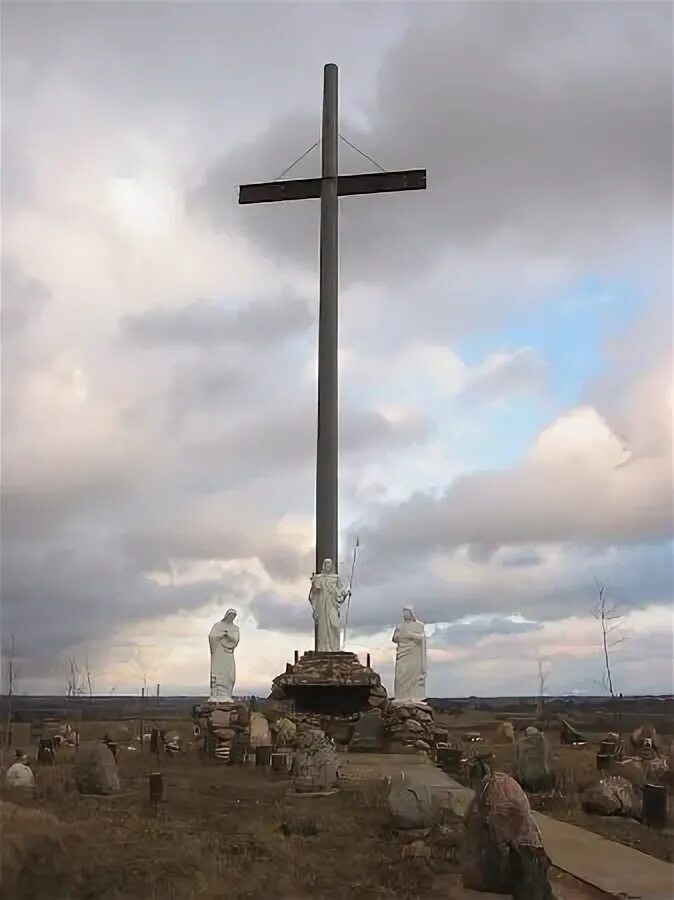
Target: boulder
{"points": [[533, 760], [285, 731], [657, 770], [506, 732], [369, 732], [315, 763], [611, 795], [632, 769], [20, 776], [260, 733], [96, 769], [410, 805]]}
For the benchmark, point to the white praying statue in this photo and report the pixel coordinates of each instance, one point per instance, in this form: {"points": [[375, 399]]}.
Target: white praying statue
{"points": [[410, 674], [327, 595], [223, 640]]}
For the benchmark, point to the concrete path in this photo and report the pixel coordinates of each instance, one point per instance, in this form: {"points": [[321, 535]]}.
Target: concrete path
{"points": [[607, 866], [611, 867]]}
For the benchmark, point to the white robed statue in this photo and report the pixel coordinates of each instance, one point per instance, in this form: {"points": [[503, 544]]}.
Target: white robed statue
{"points": [[410, 673], [327, 595], [223, 640]]}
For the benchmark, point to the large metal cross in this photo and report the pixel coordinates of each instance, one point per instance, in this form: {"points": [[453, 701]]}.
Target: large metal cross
{"points": [[329, 187]]}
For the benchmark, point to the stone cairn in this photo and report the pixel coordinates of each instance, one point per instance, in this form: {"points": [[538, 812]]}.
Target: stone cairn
{"points": [[409, 725], [221, 723]]}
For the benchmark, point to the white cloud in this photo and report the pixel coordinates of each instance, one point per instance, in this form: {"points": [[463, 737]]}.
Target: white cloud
{"points": [[142, 482]]}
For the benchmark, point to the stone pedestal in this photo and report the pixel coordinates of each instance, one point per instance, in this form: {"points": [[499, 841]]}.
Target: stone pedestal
{"points": [[221, 722], [330, 684]]}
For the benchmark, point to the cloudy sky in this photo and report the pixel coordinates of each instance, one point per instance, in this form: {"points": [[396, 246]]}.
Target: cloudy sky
{"points": [[506, 337]]}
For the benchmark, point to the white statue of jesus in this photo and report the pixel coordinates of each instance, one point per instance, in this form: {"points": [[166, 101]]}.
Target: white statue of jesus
{"points": [[223, 640], [326, 596], [410, 674]]}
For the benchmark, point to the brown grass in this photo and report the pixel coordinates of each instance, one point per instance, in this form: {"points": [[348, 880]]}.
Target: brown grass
{"points": [[225, 831]]}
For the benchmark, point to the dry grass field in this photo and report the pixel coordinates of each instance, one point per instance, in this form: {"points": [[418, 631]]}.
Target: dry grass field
{"points": [[578, 769], [237, 832], [224, 831]]}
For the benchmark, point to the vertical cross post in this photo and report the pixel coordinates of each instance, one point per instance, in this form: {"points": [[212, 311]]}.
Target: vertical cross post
{"points": [[327, 523], [329, 187]]}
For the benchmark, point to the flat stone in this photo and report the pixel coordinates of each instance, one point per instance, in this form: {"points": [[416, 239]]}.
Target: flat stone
{"points": [[369, 733]]}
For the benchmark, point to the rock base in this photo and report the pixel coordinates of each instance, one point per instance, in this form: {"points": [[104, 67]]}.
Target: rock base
{"points": [[409, 725], [329, 685], [221, 722]]}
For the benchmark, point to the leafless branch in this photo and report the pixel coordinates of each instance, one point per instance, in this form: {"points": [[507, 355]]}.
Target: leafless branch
{"points": [[610, 620], [90, 685], [11, 679]]}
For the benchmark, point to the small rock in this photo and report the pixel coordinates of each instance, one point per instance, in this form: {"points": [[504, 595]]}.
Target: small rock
{"points": [[415, 850]]}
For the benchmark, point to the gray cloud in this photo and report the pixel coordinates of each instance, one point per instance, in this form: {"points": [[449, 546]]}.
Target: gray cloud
{"points": [[542, 140], [636, 576], [23, 298], [546, 133], [284, 440], [466, 633], [206, 322], [528, 504]]}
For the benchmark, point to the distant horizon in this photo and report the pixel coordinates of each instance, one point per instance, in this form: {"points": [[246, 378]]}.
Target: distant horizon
{"points": [[242, 696]]}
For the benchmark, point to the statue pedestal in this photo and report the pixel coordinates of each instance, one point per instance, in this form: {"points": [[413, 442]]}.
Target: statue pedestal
{"points": [[330, 684], [221, 722]]}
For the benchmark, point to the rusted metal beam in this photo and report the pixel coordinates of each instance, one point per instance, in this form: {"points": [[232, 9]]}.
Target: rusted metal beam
{"points": [[347, 186]]}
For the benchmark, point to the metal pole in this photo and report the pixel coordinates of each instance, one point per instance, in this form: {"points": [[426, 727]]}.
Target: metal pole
{"points": [[327, 444]]}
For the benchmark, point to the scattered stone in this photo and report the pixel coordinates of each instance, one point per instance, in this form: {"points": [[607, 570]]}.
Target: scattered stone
{"points": [[657, 770], [410, 805], [315, 763], [260, 733], [611, 795], [632, 769], [19, 775], [415, 850], [304, 827], [96, 769], [284, 730], [506, 732], [533, 768], [369, 732]]}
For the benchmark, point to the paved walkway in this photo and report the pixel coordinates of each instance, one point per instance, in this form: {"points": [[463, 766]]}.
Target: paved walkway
{"points": [[607, 865], [610, 867]]}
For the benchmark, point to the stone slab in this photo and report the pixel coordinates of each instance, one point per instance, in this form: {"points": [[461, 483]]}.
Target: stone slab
{"points": [[606, 865]]}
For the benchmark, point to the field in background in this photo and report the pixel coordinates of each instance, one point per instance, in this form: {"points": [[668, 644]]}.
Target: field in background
{"points": [[234, 831]]}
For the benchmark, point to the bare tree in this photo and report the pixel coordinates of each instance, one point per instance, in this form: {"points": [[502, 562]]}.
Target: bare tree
{"points": [[74, 686], [542, 682], [90, 684], [606, 613], [11, 679]]}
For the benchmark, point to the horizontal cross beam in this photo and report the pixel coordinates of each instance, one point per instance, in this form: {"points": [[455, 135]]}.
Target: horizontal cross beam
{"points": [[347, 186]]}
